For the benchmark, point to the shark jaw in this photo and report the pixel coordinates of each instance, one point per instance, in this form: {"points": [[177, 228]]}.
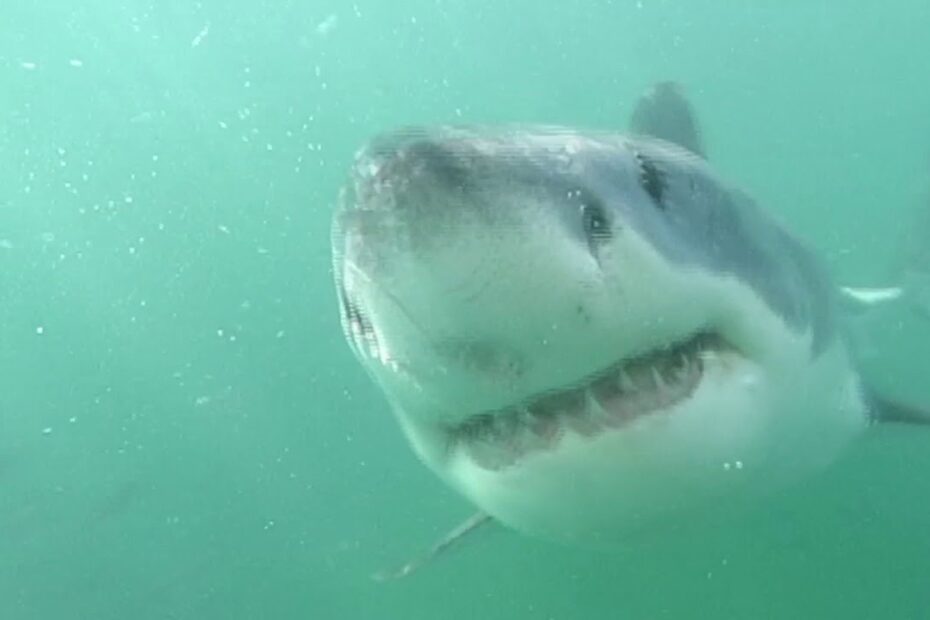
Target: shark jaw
{"points": [[651, 442], [614, 398]]}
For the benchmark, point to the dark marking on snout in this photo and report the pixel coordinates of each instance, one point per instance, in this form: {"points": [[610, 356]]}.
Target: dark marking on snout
{"points": [[408, 157], [446, 164]]}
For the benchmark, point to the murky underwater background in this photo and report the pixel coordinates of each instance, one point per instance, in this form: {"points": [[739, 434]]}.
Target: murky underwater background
{"points": [[183, 432]]}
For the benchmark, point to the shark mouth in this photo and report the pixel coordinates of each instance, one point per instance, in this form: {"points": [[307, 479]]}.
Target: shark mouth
{"points": [[611, 399]]}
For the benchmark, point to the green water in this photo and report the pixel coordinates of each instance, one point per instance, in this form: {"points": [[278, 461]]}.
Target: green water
{"points": [[183, 432]]}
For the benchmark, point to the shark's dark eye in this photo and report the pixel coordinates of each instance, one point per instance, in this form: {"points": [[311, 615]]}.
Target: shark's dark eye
{"points": [[595, 222], [650, 177]]}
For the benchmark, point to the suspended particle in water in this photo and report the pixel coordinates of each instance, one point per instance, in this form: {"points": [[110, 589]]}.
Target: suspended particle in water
{"points": [[197, 40], [326, 26]]}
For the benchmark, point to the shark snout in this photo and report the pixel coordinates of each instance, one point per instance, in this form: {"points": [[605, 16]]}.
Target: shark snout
{"points": [[397, 171]]}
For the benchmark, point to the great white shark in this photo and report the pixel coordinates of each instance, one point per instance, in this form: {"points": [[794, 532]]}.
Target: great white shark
{"points": [[589, 334]]}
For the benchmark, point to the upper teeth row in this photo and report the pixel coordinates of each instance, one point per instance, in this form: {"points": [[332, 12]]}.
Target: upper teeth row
{"points": [[636, 387]]}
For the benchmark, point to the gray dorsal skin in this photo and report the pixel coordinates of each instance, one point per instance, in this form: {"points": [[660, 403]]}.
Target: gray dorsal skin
{"points": [[663, 112]]}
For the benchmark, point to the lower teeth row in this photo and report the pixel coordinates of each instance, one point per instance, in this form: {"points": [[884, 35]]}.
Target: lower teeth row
{"points": [[655, 382]]}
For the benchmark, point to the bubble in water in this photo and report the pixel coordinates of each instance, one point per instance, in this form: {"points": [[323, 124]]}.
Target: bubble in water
{"points": [[326, 26]]}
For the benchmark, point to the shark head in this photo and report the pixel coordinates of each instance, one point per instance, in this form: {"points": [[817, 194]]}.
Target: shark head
{"points": [[586, 333]]}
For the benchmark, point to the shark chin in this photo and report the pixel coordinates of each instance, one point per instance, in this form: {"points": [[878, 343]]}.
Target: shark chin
{"points": [[611, 462]]}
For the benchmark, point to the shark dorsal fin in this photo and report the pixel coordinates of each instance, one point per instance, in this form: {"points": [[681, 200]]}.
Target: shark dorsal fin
{"points": [[663, 112]]}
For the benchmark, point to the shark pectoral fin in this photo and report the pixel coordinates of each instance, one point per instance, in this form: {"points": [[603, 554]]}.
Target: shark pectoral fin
{"points": [[913, 293], [444, 544], [888, 410], [859, 299]]}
